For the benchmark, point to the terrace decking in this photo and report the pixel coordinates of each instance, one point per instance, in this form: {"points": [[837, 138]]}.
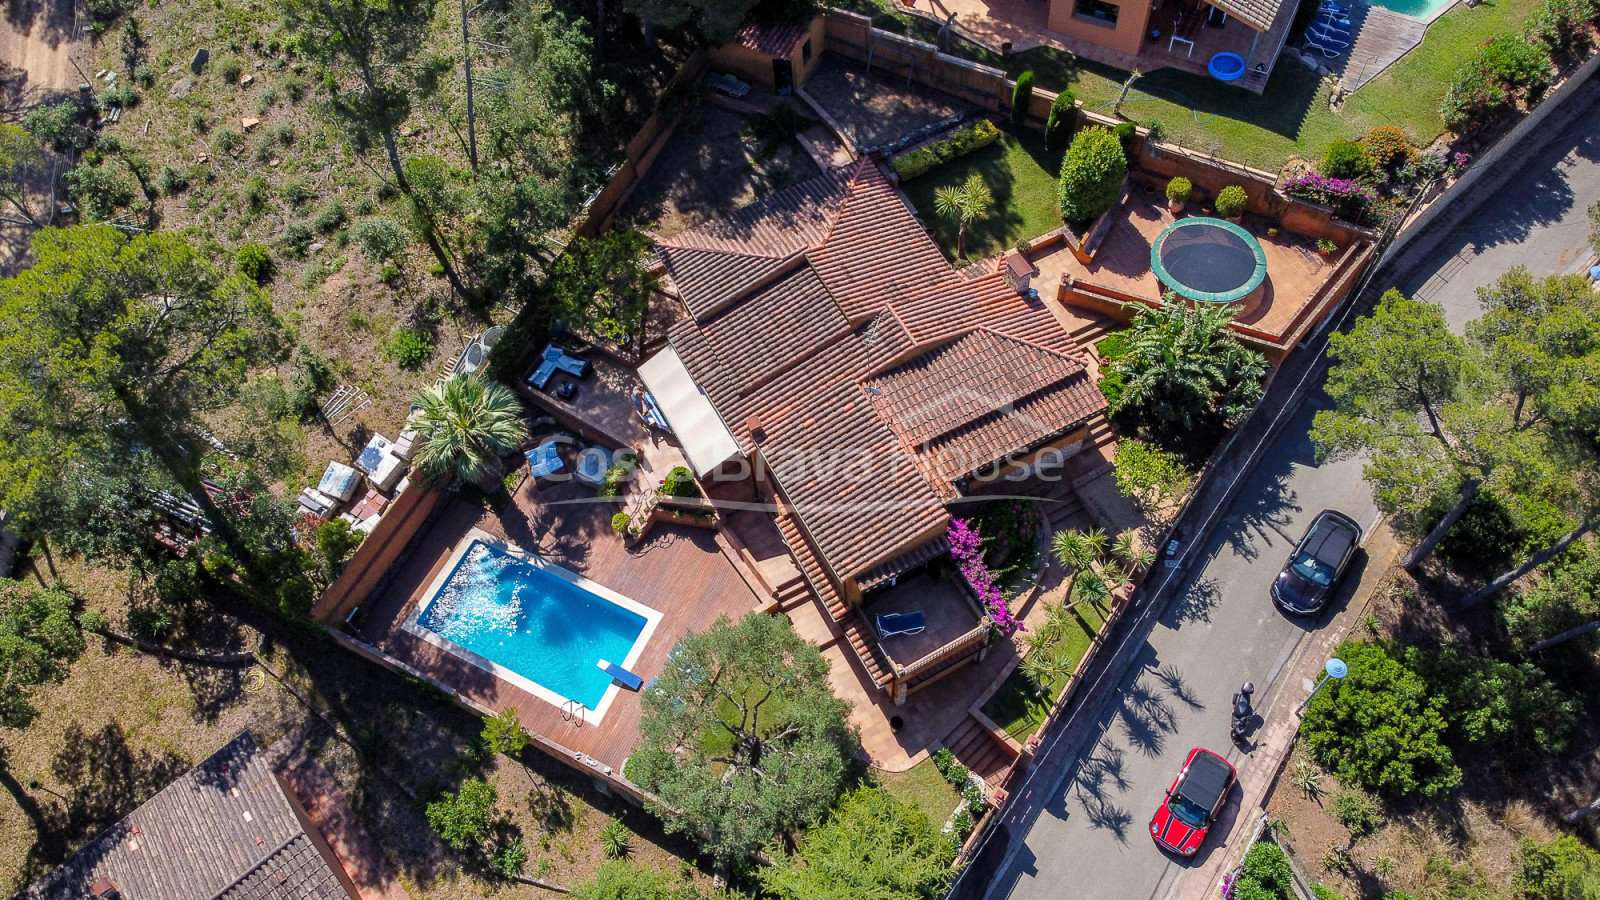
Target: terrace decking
{"points": [[677, 570], [1381, 37]]}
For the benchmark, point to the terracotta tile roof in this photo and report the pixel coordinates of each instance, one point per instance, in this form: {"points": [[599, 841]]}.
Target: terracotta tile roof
{"points": [[785, 355], [225, 829], [772, 40], [1258, 14], [856, 497]]}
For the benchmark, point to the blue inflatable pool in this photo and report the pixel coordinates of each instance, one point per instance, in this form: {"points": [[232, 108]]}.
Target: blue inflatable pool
{"points": [[1226, 66]]}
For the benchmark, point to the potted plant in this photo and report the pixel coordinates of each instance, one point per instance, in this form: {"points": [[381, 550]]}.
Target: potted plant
{"points": [[1326, 246], [1178, 191], [1231, 203], [1272, 231]]}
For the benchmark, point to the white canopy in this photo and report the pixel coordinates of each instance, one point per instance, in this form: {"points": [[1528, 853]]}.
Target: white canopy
{"points": [[706, 441]]}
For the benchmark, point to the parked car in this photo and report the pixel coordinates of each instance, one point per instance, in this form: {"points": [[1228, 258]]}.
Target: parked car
{"points": [[1314, 568], [1193, 802]]}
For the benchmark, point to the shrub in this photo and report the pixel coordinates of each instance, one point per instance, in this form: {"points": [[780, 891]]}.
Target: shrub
{"points": [[230, 68], [122, 94], [1091, 175], [1345, 159], [1265, 874], [1558, 870], [57, 124], [1505, 69], [1148, 474], [1231, 202], [1021, 99], [1519, 65], [1060, 123], [1127, 133], [329, 219], [616, 841], [409, 347], [171, 182], [98, 190], [1561, 25], [616, 475], [463, 818], [973, 795], [227, 139], [1356, 810], [1322, 892], [256, 193], [1386, 145], [510, 857], [297, 239], [298, 193], [871, 845], [620, 522], [379, 238], [1351, 200], [1379, 728], [1326, 245], [1179, 189], [918, 162], [680, 483], [1495, 703], [254, 262], [943, 759]]}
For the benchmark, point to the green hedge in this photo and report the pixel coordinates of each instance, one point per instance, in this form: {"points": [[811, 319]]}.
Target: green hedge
{"points": [[919, 161]]}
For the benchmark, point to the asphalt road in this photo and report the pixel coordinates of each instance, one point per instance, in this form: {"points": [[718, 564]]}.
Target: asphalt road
{"points": [[1087, 835]]}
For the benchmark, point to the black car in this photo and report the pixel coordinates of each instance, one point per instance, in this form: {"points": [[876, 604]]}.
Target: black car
{"points": [[1317, 562]]}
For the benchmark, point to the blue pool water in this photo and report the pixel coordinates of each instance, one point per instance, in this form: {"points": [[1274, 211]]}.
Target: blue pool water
{"points": [[1420, 9], [533, 622]]}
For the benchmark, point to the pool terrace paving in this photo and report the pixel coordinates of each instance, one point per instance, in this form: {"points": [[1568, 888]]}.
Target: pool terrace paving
{"points": [[677, 570], [1122, 265]]}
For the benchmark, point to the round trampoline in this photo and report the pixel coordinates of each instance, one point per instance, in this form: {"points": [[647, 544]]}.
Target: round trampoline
{"points": [[1226, 66], [1209, 260]]}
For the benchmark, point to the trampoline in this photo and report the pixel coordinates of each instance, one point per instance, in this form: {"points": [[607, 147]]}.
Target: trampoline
{"points": [[1226, 66], [1209, 260]]}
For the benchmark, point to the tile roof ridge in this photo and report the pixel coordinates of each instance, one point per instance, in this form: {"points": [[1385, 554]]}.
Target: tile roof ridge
{"points": [[1068, 358], [850, 194]]}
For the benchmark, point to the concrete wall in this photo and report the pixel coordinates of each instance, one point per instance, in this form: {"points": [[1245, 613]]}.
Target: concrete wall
{"points": [[371, 561], [1125, 36], [852, 36]]}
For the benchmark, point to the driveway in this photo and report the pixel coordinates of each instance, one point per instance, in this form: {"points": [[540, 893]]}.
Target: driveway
{"points": [[1079, 825]]}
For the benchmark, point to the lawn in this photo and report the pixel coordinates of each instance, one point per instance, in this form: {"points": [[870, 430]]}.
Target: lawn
{"points": [[923, 786], [1292, 118], [1015, 707], [1020, 173]]}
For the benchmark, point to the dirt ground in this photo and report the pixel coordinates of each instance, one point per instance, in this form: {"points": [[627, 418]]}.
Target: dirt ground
{"points": [[877, 109], [124, 724], [39, 39], [710, 167]]}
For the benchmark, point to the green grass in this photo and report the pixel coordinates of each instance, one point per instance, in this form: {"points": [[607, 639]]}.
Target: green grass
{"points": [[1022, 176], [1292, 118], [922, 786], [1015, 707]]}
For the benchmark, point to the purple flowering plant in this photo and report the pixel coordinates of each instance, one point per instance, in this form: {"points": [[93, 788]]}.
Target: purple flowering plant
{"points": [[966, 546]]}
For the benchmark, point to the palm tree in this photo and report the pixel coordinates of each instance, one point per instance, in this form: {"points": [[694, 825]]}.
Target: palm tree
{"points": [[1184, 371], [1090, 586], [964, 204], [1078, 550], [464, 425], [1126, 548]]}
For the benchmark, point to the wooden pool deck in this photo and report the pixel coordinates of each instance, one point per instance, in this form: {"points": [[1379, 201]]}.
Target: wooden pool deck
{"points": [[677, 570]]}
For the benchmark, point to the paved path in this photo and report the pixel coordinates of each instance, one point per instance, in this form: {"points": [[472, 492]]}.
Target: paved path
{"points": [[1079, 822]]}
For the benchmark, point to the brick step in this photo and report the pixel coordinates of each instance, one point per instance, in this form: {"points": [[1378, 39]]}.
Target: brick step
{"points": [[855, 631], [960, 735], [792, 593], [1092, 330], [1065, 509], [832, 601]]}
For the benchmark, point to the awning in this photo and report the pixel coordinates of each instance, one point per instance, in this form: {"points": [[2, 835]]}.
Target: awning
{"points": [[706, 441]]}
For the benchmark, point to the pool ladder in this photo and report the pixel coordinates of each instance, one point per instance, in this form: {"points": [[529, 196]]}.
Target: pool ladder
{"points": [[573, 711]]}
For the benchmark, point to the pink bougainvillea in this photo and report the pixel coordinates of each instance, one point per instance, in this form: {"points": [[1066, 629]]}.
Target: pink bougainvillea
{"points": [[966, 545]]}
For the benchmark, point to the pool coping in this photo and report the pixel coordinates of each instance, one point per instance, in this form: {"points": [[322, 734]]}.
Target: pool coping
{"points": [[411, 626]]}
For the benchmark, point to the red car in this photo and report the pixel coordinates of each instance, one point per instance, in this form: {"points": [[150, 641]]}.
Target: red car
{"points": [[1193, 801]]}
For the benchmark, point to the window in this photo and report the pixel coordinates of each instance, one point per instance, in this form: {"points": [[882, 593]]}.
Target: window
{"points": [[805, 51], [1099, 10]]}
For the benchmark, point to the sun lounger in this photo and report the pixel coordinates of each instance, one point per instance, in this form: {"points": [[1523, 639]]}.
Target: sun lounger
{"points": [[575, 366], [900, 623], [622, 676], [544, 459], [652, 414], [728, 84]]}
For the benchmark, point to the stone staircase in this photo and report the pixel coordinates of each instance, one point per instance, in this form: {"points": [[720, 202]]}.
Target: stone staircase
{"points": [[1094, 327], [866, 648], [816, 583], [978, 750]]}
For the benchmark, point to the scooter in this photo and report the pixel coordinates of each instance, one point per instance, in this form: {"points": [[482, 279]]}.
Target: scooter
{"points": [[1242, 712]]}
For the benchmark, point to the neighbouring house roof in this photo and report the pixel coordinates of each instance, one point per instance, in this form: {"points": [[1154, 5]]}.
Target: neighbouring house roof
{"points": [[829, 333], [223, 831], [1258, 14], [775, 40]]}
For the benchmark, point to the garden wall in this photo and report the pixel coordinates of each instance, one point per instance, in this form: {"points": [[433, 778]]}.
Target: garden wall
{"points": [[640, 153], [852, 36], [372, 559]]}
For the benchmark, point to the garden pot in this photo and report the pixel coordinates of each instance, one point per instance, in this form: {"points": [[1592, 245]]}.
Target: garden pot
{"points": [[1175, 207], [1237, 220]]}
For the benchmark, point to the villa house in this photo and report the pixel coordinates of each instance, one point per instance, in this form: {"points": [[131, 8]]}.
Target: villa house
{"points": [[835, 366]]}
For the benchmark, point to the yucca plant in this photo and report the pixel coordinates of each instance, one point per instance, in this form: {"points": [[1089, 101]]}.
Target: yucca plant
{"points": [[616, 841], [966, 203], [1126, 548], [464, 426]]}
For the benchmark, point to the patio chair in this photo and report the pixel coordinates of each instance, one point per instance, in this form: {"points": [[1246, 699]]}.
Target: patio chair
{"points": [[728, 84], [892, 624], [544, 459], [622, 676]]}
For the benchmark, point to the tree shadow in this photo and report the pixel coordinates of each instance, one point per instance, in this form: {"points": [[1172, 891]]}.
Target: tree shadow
{"points": [[1105, 815], [105, 778], [1539, 201], [1178, 687], [1262, 510], [1194, 604]]}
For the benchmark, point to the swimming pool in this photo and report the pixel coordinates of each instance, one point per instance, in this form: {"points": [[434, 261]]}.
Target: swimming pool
{"points": [[1426, 10], [532, 623]]}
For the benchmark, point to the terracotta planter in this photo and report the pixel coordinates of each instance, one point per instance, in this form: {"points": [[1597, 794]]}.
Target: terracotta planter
{"points": [[1175, 207]]}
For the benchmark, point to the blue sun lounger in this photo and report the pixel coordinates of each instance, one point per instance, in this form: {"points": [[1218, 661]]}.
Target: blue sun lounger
{"points": [[901, 623], [622, 676]]}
